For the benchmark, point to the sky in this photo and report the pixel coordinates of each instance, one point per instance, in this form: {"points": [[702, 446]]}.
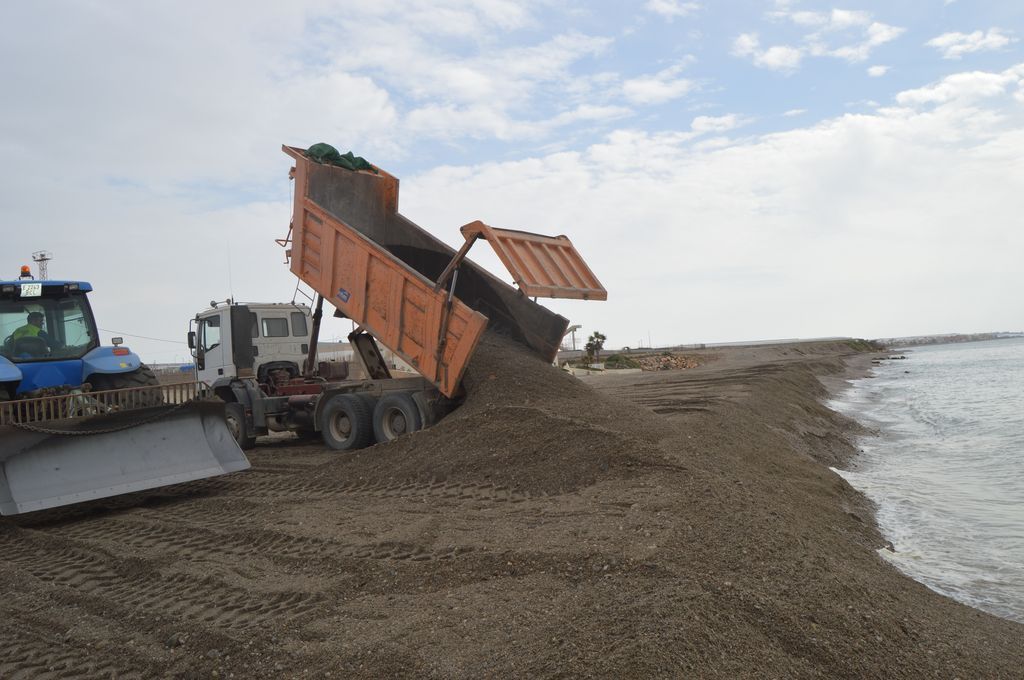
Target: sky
{"points": [[736, 170]]}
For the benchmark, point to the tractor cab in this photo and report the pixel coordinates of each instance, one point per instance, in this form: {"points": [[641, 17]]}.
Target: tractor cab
{"points": [[45, 321], [49, 340]]}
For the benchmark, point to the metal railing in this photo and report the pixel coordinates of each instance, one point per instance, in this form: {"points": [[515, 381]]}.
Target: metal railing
{"points": [[77, 404]]}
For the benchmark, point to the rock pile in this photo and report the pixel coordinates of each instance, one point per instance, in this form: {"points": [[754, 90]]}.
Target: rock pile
{"points": [[667, 362]]}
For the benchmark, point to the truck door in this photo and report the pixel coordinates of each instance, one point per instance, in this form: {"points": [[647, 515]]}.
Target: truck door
{"points": [[213, 352]]}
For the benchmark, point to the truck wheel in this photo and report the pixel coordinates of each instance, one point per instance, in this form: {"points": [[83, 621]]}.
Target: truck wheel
{"points": [[143, 376], [396, 414], [346, 423], [234, 416]]}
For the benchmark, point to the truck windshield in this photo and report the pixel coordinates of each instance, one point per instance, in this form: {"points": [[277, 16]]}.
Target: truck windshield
{"points": [[46, 327]]}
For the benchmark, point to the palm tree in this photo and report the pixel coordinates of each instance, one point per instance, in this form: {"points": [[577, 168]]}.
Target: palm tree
{"points": [[595, 343]]}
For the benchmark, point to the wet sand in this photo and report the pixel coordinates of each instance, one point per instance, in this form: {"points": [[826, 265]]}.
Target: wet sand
{"points": [[670, 524]]}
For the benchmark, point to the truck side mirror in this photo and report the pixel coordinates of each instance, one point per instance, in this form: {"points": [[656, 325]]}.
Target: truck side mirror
{"points": [[191, 339]]}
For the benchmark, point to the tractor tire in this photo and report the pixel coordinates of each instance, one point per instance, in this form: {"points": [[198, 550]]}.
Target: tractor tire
{"points": [[143, 376], [396, 414], [346, 424], [234, 416]]}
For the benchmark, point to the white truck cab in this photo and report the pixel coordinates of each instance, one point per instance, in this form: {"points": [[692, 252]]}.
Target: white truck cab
{"points": [[280, 334]]}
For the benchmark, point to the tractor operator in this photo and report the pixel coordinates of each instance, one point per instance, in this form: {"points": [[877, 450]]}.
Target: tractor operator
{"points": [[32, 329]]}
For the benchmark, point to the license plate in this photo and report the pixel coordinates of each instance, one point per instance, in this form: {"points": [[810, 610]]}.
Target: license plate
{"points": [[31, 290]]}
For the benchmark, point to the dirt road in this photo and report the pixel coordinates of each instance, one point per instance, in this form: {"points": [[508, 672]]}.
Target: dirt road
{"points": [[669, 524]]}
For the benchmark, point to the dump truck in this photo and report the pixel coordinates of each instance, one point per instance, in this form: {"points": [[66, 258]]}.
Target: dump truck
{"points": [[403, 289], [80, 420]]}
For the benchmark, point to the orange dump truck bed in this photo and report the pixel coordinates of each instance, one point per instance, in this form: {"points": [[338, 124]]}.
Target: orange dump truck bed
{"points": [[378, 268]]}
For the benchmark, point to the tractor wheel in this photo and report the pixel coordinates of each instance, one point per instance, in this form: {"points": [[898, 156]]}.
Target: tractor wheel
{"points": [[143, 376], [234, 416], [396, 414], [346, 423]]}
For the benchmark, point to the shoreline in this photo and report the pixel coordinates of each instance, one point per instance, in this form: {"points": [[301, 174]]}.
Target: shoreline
{"points": [[911, 493], [830, 440]]}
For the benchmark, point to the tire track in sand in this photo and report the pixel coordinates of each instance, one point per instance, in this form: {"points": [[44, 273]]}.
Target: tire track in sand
{"points": [[316, 489], [152, 538], [98, 577], [29, 653]]}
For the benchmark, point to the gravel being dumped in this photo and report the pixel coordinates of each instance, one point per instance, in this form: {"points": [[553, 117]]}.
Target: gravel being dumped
{"points": [[677, 524]]}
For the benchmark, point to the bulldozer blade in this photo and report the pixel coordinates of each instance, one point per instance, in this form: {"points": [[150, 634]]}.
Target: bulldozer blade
{"points": [[110, 455]]}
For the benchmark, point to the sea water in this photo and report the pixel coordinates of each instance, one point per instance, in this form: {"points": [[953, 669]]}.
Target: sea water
{"points": [[945, 467]]}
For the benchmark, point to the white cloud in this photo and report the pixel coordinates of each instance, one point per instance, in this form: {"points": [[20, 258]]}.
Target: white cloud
{"points": [[794, 112], [777, 57], [826, 36], [836, 20], [842, 19], [661, 87], [874, 35], [705, 124], [746, 44], [804, 18], [966, 88], [671, 8], [955, 45], [878, 71], [449, 122], [590, 113]]}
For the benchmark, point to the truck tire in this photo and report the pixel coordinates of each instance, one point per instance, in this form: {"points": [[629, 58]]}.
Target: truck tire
{"points": [[396, 414], [234, 416], [346, 423], [143, 376]]}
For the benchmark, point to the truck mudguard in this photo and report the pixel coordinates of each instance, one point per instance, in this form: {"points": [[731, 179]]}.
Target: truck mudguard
{"points": [[248, 394]]}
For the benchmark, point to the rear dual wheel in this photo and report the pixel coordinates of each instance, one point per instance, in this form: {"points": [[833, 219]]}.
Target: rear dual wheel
{"points": [[396, 414], [346, 422], [355, 421]]}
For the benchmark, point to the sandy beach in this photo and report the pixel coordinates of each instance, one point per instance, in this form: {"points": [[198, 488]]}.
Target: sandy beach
{"points": [[666, 524]]}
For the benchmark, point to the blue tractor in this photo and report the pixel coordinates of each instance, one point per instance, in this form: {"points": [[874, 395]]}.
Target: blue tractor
{"points": [[51, 343], [79, 420]]}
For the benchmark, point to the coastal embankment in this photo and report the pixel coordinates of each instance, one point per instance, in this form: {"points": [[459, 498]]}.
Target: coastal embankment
{"points": [[669, 524]]}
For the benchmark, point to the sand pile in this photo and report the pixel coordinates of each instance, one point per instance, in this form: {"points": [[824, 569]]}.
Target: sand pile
{"points": [[524, 425], [676, 524]]}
